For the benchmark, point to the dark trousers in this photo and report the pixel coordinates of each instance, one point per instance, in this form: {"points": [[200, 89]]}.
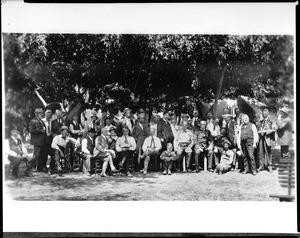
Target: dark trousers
{"points": [[167, 165], [284, 150], [46, 151], [187, 159], [212, 159], [37, 154], [248, 151], [16, 163], [126, 157], [264, 153]]}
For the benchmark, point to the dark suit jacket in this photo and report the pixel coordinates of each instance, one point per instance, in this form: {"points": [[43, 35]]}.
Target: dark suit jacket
{"points": [[230, 131], [55, 126], [140, 134], [37, 132], [164, 131]]}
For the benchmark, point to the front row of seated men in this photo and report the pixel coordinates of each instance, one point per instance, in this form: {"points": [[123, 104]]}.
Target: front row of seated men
{"points": [[120, 151]]}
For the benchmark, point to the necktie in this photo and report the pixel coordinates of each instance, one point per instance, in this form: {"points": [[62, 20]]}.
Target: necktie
{"points": [[152, 142], [126, 141], [48, 128]]}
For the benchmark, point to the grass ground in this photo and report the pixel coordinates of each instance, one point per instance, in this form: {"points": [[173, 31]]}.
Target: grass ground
{"points": [[203, 186]]}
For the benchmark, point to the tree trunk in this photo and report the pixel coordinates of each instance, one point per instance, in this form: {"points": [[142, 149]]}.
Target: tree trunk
{"points": [[218, 94]]}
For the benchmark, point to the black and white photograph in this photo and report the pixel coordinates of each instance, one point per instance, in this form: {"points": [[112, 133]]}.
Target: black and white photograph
{"points": [[203, 119]]}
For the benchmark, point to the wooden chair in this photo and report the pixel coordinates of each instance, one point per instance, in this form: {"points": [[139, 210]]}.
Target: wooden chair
{"points": [[286, 176]]}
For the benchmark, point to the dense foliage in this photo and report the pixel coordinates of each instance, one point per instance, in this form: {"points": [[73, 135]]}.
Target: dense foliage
{"points": [[145, 70]]}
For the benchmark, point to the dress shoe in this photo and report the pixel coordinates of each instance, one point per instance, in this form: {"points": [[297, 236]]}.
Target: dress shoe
{"points": [[165, 172], [129, 175], [254, 173], [103, 175], [169, 172], [145, 172], [188, 170], [245, 172], [260, 169], [27, 175], [270, 169], [197, 170], [114, 170]]}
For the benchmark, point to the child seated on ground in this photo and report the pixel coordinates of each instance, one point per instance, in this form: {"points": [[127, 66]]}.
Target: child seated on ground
{"points": [[226, 159], [167, 157]]}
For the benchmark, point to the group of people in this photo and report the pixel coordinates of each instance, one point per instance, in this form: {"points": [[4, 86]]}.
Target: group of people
{"points": [[123, 143]]}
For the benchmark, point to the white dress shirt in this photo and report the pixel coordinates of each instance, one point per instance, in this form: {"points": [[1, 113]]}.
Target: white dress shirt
{"points": [[48, 126], [147, 143], [60, 141], [120, 143]]}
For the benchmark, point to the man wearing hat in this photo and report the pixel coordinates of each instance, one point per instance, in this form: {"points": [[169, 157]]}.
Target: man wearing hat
{"points": [[266, 131], [164, 130], [37, 129], [60, 144], [16, 153], [284, 131], [226, 159]]}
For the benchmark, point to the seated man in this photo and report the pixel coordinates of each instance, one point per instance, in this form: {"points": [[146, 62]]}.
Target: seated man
{"points": [[125, 147], [103, 153], [60, 144], [226, 159], [183, 146], [203, 143], [151, 148], [16, 153], [87, 147], [218, 144], [168, 156]]}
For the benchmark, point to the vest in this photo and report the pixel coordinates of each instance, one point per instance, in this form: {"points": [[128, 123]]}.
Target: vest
{"points": [[90, 145], [77, 127], [16, 147], [246, 132]]}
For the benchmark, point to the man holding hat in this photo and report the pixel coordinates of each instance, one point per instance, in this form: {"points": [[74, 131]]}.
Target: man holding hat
{"points": [[16, 153], [37, 130], [284, 131], [60, 144]]}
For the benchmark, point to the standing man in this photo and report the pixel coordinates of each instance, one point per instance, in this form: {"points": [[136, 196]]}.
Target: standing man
{"points": [[126, 146], [284, 132], [266, 131], [195, 116], [75, 127], [139, 133], [127, 121], [37, 130], [57, 123], [16, 153], [164, 130], [247, 142], [209, 121], [151, 148], [48, 138]]}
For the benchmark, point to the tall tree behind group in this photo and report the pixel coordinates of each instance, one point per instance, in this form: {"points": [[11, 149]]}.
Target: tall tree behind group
{"points": [[147, 70]]}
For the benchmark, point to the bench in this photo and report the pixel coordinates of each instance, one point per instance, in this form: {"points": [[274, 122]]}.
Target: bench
{"points": [[286, 177]]}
